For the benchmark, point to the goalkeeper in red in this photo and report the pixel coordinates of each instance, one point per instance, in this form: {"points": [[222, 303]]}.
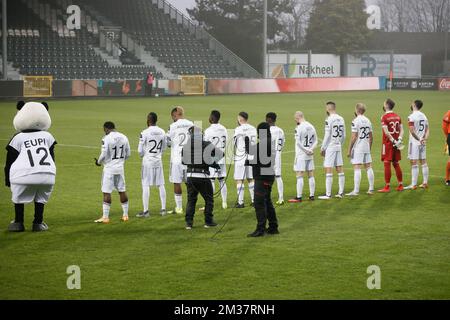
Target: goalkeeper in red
{"points": [[392, 144]]}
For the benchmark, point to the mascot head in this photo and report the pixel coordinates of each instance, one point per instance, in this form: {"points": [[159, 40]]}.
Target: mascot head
{"points": [[32, 116]]}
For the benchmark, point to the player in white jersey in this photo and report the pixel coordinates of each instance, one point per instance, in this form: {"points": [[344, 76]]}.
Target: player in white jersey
{"points": [[241, 171], [419, 131], [359, 149], [30, 169], [305, 143], [217, 134], [152, 144], [115, 151], [176, 138], [332, 150], [278, 139]]}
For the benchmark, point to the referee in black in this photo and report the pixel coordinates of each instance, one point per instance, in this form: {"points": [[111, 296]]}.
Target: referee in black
{"points": [[199, 155], [262, 158]]}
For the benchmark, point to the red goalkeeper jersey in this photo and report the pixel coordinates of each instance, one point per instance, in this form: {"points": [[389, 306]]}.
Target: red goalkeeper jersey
{"points": [[393, 122]]}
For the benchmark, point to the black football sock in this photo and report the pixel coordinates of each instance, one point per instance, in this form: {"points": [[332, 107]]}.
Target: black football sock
{"points": [[19, 208], [38, 213]]}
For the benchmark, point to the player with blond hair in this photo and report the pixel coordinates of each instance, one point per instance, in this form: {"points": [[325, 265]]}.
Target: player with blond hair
{"points": [[359, 149]]}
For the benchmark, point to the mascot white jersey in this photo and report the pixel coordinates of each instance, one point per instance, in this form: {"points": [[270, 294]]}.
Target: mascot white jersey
{"points": [[30, 169]]}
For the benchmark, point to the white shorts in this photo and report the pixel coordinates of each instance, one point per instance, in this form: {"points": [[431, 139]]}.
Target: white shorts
{"points": [[221, 173], [111, 182], [277, 167], [177, 173], [152, 176], [333, 159], [417, 152], [242, 172], [27, 193], [301, 165], [361, 158]]}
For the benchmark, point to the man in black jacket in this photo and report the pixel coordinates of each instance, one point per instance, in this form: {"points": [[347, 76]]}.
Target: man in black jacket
{"points": [[262, 158], [199, 155]]}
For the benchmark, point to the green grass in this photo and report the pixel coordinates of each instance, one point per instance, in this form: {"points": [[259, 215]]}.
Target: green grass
{"points": [[323, 250]]}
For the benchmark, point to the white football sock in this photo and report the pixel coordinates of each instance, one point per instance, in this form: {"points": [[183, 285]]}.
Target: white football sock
{"points": [[280, 188], [357, 180], [341, 182], [125, 208], [414, 174], [240, 192], [312, 186], [371, 178], [299, 186], [251, 189], [223, 190], [162, 195], [145, 197], [425, 173], [328, 183], [106, 208], [213, 184], [178, 201]]}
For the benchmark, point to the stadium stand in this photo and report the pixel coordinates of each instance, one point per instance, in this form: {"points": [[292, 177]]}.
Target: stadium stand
{"points": [[39, 43], [167, 40]]}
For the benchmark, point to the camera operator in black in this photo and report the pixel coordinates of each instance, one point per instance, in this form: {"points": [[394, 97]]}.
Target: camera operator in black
{"points": [[262, 158], [199, 155]]}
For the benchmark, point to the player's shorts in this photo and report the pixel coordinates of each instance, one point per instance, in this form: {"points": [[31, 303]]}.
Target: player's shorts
{"points": [[361, 158], [152, 176], [417, 152], [27, 193], [242, 172], [333, 159], [220, 173], [389, 153], [301, 165], [111, 182], [177, 173]]}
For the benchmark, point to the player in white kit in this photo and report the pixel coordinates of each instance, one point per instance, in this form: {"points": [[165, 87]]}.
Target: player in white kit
{"points": [[332, 150], [278, 139], [241, 171], [176, 138], [30, 169], [359, 149], [217, 134], [152, 144], [305, 143], [419, 131], [115, 151]]}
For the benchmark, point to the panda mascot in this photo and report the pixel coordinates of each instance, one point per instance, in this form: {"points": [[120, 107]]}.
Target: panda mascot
{"points": [[30, 169]]}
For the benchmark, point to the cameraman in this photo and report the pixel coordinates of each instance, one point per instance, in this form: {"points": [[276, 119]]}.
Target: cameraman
{"points": [[262, 159], [199, 155]]}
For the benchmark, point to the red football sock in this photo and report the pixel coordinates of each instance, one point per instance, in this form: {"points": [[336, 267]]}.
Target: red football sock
{"points": [[387, 173], [447, 173], [398, 172]]}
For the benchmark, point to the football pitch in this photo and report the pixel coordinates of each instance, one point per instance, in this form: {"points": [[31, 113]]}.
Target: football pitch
{"points": [[324, 248]]}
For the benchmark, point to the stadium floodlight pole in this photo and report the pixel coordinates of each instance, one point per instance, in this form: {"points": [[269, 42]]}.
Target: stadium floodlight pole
{"points": [[264, 69], [4, 41]]}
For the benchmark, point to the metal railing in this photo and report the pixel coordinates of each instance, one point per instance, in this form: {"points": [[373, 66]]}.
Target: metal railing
{"points": [[203, 35]]}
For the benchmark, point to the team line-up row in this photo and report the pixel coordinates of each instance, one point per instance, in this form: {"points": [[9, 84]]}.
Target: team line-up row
{"points": [[154, 141]]}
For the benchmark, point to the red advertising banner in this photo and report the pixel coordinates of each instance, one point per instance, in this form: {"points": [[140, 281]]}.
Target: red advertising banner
{"points": [[231, 86], [444, 84]]}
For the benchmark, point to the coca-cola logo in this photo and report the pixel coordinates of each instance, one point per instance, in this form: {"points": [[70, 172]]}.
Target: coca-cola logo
{"points": [[444, 84]]}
